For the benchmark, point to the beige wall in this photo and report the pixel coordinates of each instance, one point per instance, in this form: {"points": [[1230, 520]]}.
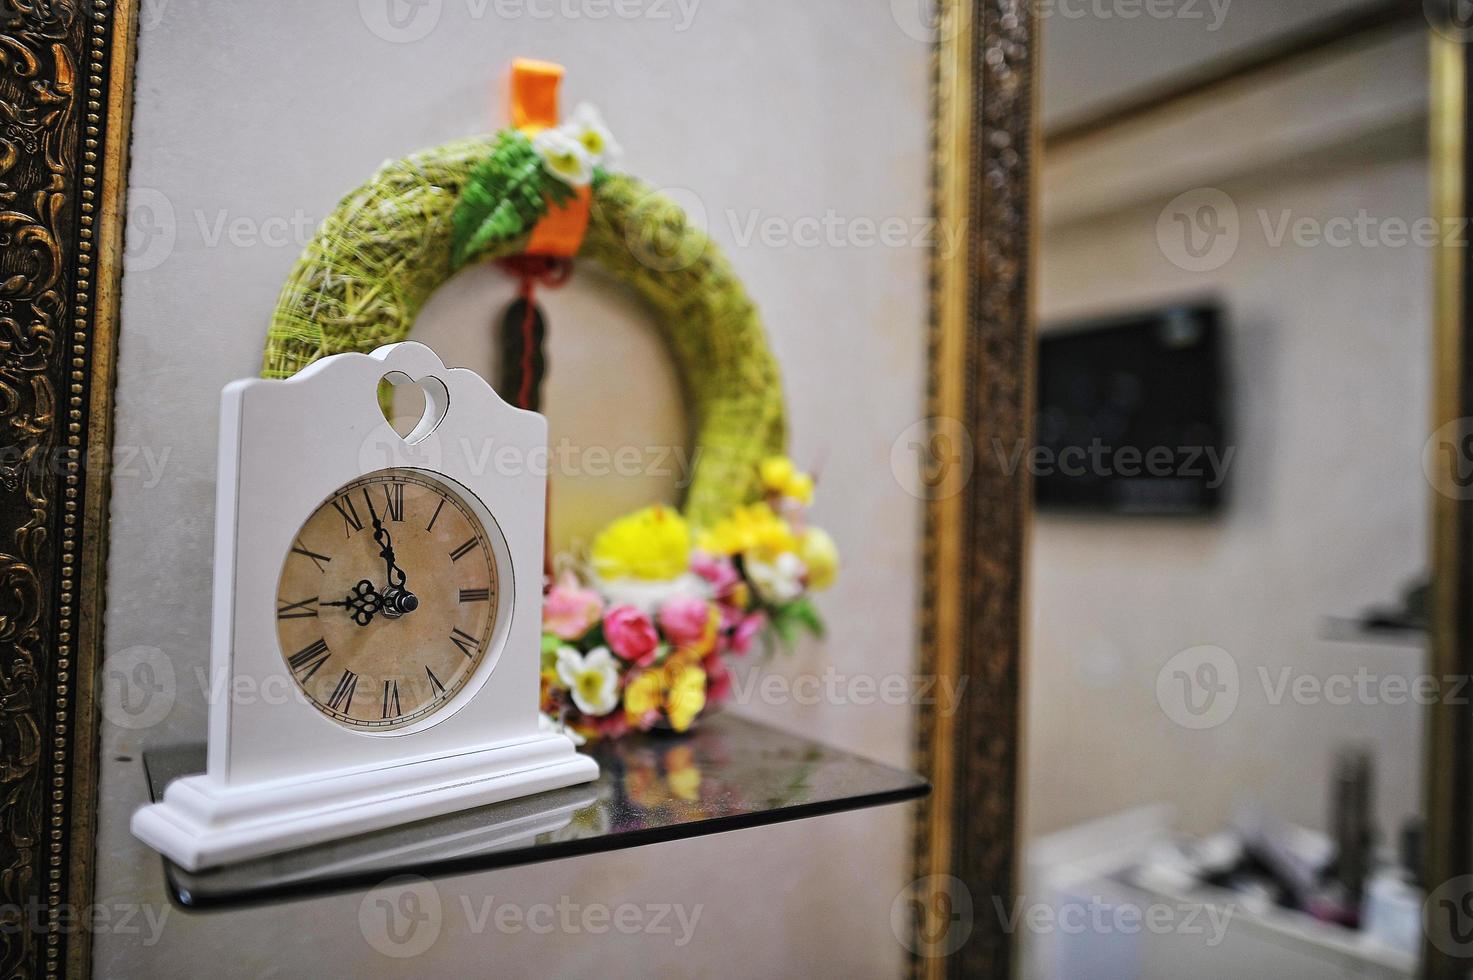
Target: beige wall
{"points": [[251, 121], [1097, 54], [1329, 356]]}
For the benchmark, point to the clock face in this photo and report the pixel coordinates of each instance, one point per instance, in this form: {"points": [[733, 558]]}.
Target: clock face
{"points": [[388, 599]]}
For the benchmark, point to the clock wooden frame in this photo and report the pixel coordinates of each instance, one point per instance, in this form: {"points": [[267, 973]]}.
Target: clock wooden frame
{"points": [[280, 773]]}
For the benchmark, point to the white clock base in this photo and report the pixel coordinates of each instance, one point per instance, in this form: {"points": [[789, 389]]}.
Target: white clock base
{"points": [[202, 822]]}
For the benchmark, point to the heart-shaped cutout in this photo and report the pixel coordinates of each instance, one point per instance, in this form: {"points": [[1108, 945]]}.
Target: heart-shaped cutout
{"points": [[413, 407]]}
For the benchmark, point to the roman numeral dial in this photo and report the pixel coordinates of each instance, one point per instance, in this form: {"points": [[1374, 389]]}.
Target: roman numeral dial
{"points": [[308, 659], [301, 609], [363, 656]]}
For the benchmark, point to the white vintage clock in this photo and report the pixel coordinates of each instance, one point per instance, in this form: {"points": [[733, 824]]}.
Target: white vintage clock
{"points": [[377, 613]]}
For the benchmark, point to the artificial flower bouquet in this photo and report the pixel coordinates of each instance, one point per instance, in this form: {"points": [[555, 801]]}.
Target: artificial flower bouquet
{"points": [[639, 634]]}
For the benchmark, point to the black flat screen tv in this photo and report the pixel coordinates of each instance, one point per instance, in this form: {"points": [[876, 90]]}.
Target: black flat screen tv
{"points": [[1131, 415]]}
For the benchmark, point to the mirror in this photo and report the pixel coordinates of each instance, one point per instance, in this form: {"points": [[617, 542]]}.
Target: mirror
{"points": [[1229, 673]]}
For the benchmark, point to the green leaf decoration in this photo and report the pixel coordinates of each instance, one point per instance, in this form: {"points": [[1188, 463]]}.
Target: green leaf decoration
{"points": [[786, 620], [785, 626], [594, 638], [769, 644], [803, 612], [506, 195]]}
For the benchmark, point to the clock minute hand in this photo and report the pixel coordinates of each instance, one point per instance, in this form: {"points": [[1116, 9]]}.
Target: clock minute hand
{"points": [[395, 575], [397, 599]]}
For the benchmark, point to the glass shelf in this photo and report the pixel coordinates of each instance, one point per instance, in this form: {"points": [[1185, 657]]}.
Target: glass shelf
{"points": [[1378, 631], [729, 774]]}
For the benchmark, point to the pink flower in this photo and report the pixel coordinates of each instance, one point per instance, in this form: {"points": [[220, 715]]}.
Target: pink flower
{"points": [[612, 725], [746, 631], [685, 620], [731, 617], [717, 570], [718, 679], [570, 611], [631, 635]]}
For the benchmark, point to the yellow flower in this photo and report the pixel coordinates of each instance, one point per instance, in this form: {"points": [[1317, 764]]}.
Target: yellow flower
{"points": [[548, 682], [679, 687], [781, 477], [683, 777], [651, 544], [685, 784], [754, 529], [776, 471], [687, 694], [645, 787], [800, 488], [741, 595], [708, 639], [642, 695], [821, 555]]}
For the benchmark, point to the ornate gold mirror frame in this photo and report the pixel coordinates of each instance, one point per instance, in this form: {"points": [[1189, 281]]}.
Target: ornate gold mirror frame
{"points": [[1448, 757], [66, 69], [985, 149], [966, 847]]}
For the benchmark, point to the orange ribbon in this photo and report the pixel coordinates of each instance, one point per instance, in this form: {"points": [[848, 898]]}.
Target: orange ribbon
{"points": [[534, 86]]}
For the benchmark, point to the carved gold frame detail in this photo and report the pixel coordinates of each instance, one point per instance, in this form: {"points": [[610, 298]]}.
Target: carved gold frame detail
{"points": [[66, 70], [985, 146]]}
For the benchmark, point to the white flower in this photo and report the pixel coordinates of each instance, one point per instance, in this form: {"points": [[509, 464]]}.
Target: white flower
{"points": [[587, 127], [648, 596], [547, 723], [564, 157], [779, 581], [594, 679]]}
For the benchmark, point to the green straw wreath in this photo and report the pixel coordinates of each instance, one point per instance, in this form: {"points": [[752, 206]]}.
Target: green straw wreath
{"points": [[390, 243]]}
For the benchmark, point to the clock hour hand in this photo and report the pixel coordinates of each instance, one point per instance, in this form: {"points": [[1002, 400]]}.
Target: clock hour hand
{"points": [[361, 603]]}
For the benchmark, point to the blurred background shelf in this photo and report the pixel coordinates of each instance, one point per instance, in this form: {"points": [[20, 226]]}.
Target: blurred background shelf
{"points": [[1366, 630]]}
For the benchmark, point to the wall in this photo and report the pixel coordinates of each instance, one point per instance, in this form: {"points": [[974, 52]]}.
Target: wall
{"points": [[1100, 53], [251, 121], [1329, 356]]}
